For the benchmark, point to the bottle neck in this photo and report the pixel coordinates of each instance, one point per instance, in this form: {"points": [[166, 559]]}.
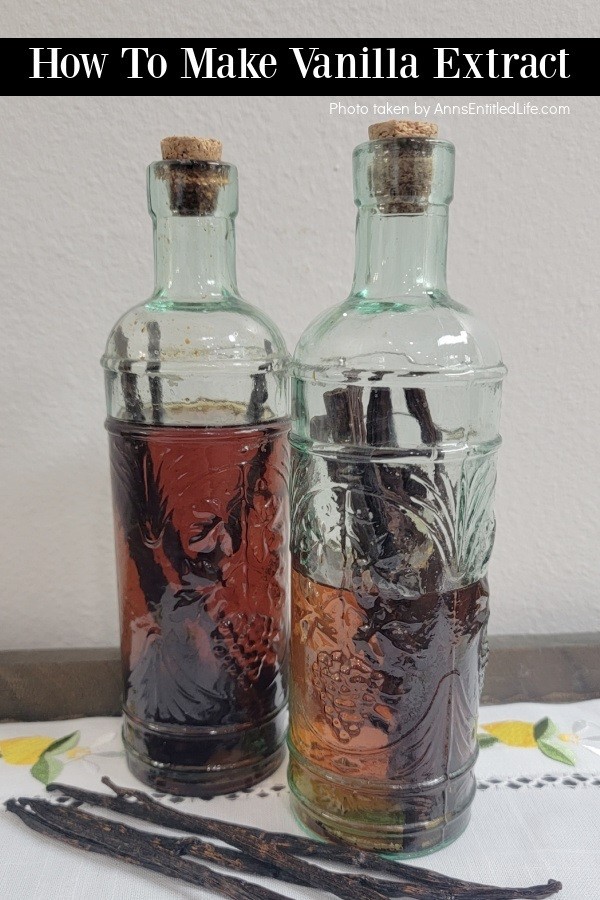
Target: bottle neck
{"points": [[194, 258], [400, 255]]}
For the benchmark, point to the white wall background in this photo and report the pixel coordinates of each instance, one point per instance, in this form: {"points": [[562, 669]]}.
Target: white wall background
{"points": [[75, 252]]}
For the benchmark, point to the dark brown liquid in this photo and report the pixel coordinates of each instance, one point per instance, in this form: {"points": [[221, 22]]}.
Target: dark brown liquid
{"points": [[201, 519]]}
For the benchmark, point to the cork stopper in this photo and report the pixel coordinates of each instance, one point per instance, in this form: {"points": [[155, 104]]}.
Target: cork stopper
{"points": [[402, 170], [194, 173], [402, 128], [179, 147]]}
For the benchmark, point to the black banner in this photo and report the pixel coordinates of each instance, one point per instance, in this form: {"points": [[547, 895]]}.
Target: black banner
{"points": [[295, 66]]}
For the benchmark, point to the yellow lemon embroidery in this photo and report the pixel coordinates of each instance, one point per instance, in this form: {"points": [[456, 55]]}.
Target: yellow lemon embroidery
{"points": [[24, 751], [515, 734]]}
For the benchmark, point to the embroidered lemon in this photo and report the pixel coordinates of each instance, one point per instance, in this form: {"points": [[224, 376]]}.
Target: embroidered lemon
{"points": [[24, 751], [513, 733]]}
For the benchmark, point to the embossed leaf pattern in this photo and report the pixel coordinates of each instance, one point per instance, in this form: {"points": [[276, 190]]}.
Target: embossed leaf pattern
{"points": [[436, 505], [451, 505], [317, 627], [475, 523]]}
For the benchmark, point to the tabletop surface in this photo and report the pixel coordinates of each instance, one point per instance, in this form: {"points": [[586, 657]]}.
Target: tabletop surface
{"points": [[535, 817]]}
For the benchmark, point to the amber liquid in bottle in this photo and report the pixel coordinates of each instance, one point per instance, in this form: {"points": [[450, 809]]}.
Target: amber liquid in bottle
{"points": [[392, 694], [201, 538], [197, 400]]}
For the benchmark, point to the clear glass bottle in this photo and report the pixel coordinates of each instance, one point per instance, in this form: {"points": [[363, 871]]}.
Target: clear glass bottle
{"points": [[395, 409], [197, 401]]}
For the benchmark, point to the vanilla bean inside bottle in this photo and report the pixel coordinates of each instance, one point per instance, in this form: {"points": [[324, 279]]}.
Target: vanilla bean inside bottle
{"points": [[396, 402], [197, 400]]}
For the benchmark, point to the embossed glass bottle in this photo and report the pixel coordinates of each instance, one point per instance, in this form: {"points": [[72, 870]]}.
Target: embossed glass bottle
{"points": [[395, 409], [197, 398]]}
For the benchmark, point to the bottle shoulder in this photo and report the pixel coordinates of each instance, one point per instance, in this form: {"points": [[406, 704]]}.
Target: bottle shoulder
{"points": [[226, 332], [430, 333]]}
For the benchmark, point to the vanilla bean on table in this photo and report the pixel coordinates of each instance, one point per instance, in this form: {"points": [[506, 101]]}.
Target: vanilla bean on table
{"points": [[163, 854], [295, 870], [410, 881], [131, 846], [348, 885]]}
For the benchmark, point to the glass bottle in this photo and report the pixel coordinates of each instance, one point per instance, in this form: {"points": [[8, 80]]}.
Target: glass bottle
{"points": [[197, 401], [395, 409]]}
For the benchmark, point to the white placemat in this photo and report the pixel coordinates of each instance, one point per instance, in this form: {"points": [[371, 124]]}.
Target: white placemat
{"points": [[536, 815]]}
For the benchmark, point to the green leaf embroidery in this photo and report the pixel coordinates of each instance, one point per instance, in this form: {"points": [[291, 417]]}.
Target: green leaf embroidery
{"points": [[560, 754], [63, 744], [486, 740], [47, 769], [545, 730]]}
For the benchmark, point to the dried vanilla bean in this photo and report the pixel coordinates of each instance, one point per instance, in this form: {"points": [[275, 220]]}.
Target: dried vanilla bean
{"points": [[118, 841], [254, 844], [153, 365], [348, 885], [255, 410], [417, 405], [129, 383], [271, 848]]}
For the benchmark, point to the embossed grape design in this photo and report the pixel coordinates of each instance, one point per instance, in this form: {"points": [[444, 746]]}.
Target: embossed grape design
{"points": [[247, 643], [348, 689]]}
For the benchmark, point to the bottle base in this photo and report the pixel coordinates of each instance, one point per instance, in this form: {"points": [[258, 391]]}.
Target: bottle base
{"points": [[205, 783], [200, 761], [395, 818], [399, 845]]}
